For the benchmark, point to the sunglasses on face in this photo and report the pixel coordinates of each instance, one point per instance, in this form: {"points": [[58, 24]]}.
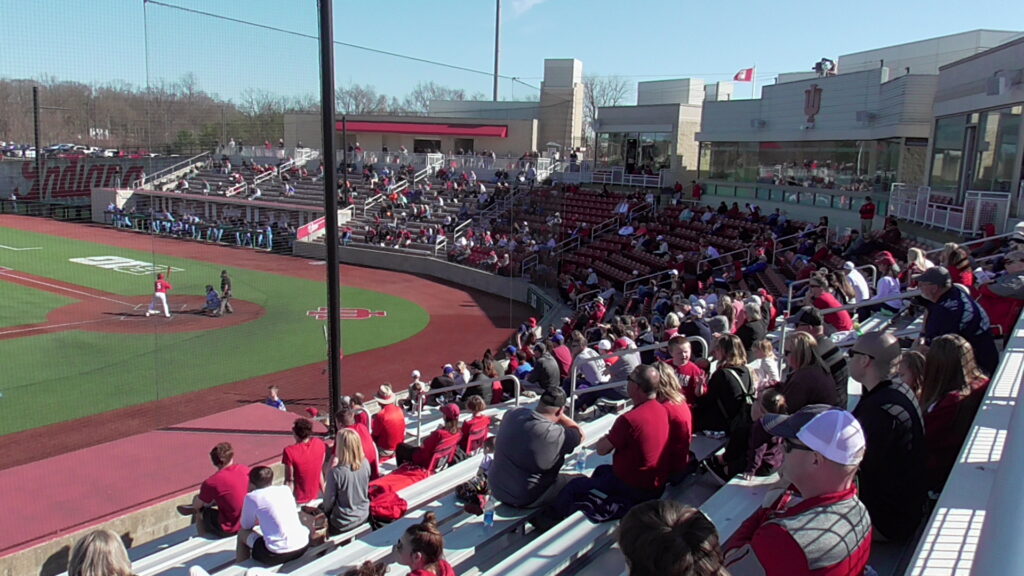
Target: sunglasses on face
{"points": [[854, 353], [788, 446]]}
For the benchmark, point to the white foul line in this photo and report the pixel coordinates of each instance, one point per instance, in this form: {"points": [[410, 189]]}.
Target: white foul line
{"points": [[21, 249], [49, 327], [66, 289]]}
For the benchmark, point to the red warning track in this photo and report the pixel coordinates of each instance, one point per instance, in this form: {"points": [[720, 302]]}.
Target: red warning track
{"points": [[98, 311], [463, 322]]}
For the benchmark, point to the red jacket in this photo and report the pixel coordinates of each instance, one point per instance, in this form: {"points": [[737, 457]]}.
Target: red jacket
{"points": [[785, 539], [867, 211], [389, 427]]}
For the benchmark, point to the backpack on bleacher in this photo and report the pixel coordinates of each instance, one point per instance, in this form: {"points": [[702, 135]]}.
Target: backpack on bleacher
{"points": [[741, 421]]}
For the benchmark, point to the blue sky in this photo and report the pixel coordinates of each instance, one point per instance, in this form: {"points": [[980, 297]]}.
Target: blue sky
{"points": [[108, 40]]}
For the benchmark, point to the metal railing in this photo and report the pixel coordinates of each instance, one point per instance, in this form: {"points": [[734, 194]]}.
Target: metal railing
{"points": [[700, 263], [169, 171], [576, 363], [441, 246], [778, 241], [435, 391], [847, 307], [461, 229], [371, 201], [789, 297], [972, 242], [629, 286]]}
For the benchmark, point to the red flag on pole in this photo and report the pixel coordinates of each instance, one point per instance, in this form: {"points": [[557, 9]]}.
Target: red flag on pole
{"points": [[745, 75]]}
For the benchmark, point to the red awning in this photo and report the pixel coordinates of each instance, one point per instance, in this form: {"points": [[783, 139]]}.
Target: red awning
{"points": [[429, 128]]}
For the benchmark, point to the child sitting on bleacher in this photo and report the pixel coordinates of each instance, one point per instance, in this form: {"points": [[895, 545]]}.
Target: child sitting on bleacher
{"points": [[764, 451]]}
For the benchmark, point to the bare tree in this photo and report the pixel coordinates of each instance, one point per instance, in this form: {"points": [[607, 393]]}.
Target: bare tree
{"points": [[600, 91], [418, 101]]}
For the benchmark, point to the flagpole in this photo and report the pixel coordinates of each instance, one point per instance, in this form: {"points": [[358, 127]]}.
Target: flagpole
{"points": [[753, 81]]}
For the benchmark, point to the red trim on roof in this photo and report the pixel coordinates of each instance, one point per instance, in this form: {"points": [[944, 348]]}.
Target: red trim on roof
{"points": [[434, 129]]}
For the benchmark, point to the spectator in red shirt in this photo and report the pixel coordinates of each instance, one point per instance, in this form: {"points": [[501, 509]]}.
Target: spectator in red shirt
{"points": [[421, 456], [952, 389], [822, 299], [639, 439], [867, 215], [692, 379], [1003, 299], [680, 422], [823, 448], [388, 428], [957, 260], [346, 420], [478, 421], [226, 490], [304, 462], [696, 190], [358, 411], [562, 354]]}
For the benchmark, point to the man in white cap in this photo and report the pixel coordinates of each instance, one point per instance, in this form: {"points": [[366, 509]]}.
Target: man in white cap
{"points": [[818, 525], [591, 279], [860, 285]]}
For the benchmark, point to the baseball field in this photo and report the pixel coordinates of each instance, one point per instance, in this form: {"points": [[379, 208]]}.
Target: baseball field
{"points": [[76, 345]]}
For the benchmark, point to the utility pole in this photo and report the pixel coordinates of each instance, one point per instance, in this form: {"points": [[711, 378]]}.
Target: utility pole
{"points": [[497, 44], [328, 157]]}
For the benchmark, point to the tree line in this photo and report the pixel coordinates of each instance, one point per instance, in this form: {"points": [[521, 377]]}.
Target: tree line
{"points": [[180, 117]]}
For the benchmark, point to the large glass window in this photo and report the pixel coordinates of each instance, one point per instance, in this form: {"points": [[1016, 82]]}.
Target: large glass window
{"points": [[637, 152], [947, 154], [998, 132], [843, 164]]}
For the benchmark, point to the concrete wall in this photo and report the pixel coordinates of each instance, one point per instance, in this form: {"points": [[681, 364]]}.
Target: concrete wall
{"points": [[513, 288], [485, 109], [522, 134], [962, 85], [925, 56], [901, 107], [679, 91], [75, 178]]}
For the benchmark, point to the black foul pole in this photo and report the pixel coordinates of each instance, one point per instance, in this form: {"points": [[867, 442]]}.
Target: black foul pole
{"points": [[39, 151], [328, 158]]}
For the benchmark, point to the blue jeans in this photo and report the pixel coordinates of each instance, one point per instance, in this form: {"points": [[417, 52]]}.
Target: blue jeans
{"points": [[604, 480]]}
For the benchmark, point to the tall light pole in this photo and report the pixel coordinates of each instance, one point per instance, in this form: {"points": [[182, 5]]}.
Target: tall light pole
{"points": [[497, 44], [328, 157]]}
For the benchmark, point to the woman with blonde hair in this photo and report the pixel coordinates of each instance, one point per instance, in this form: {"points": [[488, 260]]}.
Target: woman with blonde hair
{"points": [[680, 419], [809, 382], [957, 260], [346, 497], [99, 553], [952, 389], [917, 262]]}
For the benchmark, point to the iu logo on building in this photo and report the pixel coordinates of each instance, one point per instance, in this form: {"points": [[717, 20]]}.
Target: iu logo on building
{"points": [[812, 102]]}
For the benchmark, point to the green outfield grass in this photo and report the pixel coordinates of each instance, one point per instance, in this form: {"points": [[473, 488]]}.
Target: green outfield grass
{"points": [[21, 305], [55, 377]]}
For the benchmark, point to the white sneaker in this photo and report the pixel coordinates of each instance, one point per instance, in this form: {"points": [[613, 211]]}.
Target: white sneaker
{"points": [[148, 313], [167, 315]]}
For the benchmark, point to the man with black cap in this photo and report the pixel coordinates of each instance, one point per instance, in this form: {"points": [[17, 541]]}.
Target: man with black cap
{"points": [[818, 525], [809, 319], [892, 475], [951, 310], [530, 448], [545, 373]]}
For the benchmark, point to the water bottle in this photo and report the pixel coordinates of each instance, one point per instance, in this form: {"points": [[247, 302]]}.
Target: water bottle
{"points": [[581, 461], [489, 512]]}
